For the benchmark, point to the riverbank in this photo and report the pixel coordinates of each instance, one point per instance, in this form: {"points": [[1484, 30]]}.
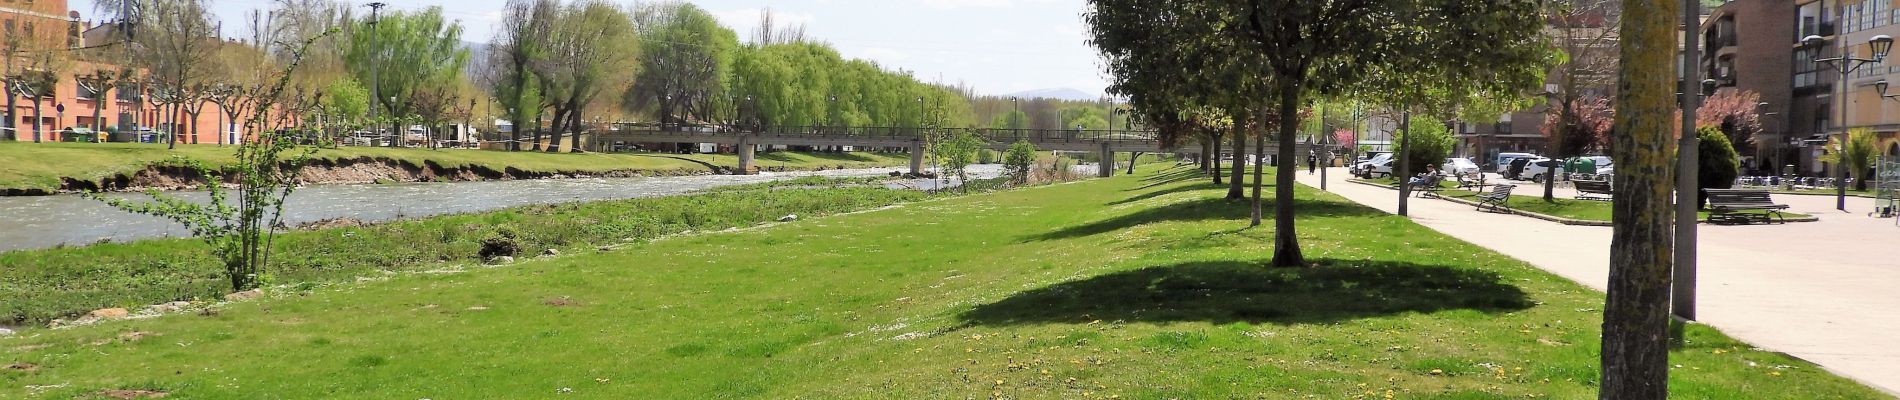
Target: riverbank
{"points": [[1146, 286], [37, 286], [33, 169]]}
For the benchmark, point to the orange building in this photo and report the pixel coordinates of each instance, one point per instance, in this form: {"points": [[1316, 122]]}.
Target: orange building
{"points": [[36, 28]]}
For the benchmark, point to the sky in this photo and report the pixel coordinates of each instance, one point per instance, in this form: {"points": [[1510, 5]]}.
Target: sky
{"points": [[996, 46]]}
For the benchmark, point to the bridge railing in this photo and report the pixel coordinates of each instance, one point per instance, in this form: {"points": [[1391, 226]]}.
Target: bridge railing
{"points": [[902, 133]]}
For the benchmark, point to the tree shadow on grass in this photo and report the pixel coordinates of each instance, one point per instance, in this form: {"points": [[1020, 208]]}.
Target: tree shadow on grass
{"points": [[1202, 210], [1234, 291], [1166, 177]]}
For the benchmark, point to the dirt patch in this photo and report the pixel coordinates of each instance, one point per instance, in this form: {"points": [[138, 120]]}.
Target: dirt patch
{"points": [[133, 394], [562, 301], [134, 336], [340, 222], [32, 347], [22, 367]]}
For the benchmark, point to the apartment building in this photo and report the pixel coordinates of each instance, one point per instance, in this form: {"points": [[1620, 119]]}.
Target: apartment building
{"points": [[1758, 45], [37, 29]]}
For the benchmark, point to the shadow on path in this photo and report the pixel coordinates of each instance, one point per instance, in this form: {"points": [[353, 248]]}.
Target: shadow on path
{"points": [[1233, 291]]}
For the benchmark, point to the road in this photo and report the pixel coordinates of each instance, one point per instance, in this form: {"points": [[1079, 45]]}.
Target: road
{"points": [[1822, 291]]}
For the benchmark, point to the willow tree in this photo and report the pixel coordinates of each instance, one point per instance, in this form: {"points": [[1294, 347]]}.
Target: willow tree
{"points": [[591, 50], [411, 51], [1635, 353], [686, 64], [517, 46]]}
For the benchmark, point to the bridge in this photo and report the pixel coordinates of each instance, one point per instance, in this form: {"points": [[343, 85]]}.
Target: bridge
{"points": [[1105, 142]]}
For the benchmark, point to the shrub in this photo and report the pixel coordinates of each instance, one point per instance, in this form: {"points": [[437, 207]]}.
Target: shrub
{"points": [[1430, 144], [1717, 163], [502, 242], [1017, 159]]}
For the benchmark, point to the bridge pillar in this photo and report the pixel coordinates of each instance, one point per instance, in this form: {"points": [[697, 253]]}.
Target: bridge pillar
{"points": [[745, 149], [1108, 162], [916, 157]]}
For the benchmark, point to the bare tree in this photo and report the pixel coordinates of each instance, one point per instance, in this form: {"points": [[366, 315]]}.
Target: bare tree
{"points": [[1586, 32]]}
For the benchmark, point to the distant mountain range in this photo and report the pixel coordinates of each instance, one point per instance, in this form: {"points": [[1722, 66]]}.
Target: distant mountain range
{"points": [[1057, 93]]}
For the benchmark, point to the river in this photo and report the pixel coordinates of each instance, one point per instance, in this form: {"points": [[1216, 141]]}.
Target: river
{"points": [[34, 222]]}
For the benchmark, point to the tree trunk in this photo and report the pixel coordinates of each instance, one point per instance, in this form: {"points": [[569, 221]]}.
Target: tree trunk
{"points": [[1259, 168], [13, 121], [37, 117], [1214, 159], [574, 142], [171, 129], [1207, 148], [1635, 352], [1286, 242], [536, 145], [1131, 161], [559, 127], [99, 101], [1235, 191], [1402, 170]]}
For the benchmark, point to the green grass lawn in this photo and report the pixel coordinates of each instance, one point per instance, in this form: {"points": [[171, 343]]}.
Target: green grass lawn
{"points": [[41, 165], [1530, 198], [1137, 287], [39, 285]]}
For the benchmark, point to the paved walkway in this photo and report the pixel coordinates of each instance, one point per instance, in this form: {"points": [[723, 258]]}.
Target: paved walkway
{"points": [[1827, 292]]}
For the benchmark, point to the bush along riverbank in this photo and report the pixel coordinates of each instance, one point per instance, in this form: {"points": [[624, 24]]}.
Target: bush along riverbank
{"points": [[38, 286], [51, 168]]}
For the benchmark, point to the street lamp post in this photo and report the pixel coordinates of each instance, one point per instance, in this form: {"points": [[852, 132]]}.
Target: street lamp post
{"points": [[375, 85], [1846, 64]]}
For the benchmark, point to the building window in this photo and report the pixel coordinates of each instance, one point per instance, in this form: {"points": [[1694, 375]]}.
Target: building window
{"points": [[1805, 69]]}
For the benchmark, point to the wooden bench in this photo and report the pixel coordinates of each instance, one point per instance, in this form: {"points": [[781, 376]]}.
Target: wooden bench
{"points": [[1473, 182], [1593, 190], [1729, 205], [1429, 186], [1498, 199]]}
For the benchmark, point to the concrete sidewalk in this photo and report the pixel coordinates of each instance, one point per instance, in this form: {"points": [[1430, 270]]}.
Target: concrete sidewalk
{"points": [[1822, 291]]}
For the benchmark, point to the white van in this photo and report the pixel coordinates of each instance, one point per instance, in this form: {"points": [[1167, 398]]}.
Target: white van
{"points": [[1503, 162]]}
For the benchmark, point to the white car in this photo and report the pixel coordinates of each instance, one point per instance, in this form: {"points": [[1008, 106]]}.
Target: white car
{"points": [[1540, 168], [1380, 165], [1459, 166]]}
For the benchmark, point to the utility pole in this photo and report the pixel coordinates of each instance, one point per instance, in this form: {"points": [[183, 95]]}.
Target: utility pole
{"points": [[1682, 295], [375, 92]]}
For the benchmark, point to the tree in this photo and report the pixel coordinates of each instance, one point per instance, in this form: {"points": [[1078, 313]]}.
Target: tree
{"points": [[591, 49], [265, 170], [1011, 120], [1735, 112], [956, 149], [413, 51], [1318, 47], [176, 41], [1584, 35], [347, 104], [518, 45], [1635, 352], [1583, 129], [1017, 160], [1861, 150], [685, 67]]}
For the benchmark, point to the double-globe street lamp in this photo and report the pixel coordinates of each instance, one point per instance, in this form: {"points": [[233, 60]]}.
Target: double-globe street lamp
{"points": [[1846, 64]]}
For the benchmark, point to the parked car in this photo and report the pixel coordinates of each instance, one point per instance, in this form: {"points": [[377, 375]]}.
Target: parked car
{"points": [[1459, 166], [1540, 168], [1503, 162], [1380, 165]]}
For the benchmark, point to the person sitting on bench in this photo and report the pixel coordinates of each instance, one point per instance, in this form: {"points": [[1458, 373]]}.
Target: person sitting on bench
{"points": [[1424, 178]]}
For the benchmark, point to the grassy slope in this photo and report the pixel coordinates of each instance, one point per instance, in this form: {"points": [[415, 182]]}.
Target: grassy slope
{"points": [[41, 165], [1138, 287], [39, 285]]}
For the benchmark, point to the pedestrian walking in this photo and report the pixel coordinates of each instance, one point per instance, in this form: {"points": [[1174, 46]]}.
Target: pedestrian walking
{"points": [[1312, 163]]}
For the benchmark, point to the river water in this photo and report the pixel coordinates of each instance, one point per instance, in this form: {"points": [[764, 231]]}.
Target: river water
{"points": [[32, 222]]}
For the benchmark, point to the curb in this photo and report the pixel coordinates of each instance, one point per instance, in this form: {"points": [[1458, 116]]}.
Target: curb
{"points": [[1551, 218]]}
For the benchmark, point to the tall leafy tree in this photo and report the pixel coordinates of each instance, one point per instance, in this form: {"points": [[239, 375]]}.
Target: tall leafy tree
{"points": [[1635, 352], [685, 66], [591, 50], [413, 51], [518, 46]]}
